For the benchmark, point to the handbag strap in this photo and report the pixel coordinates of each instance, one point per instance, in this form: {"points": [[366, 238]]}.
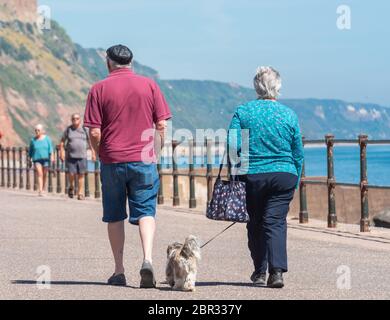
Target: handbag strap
{"points": [[229, 166], [221, 165]]}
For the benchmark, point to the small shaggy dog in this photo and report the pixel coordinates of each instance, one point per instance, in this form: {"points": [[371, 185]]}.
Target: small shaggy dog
{"points": [[182, 264]]}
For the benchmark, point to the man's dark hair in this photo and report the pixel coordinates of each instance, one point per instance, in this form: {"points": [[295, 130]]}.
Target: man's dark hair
{"points": [[120, 54]]}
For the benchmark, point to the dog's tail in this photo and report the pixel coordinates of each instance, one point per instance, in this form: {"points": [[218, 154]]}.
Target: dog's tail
{"points": [[191, 247]]}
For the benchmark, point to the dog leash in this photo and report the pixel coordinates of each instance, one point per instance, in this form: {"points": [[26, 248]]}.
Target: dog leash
{"points": [[231, 225]]}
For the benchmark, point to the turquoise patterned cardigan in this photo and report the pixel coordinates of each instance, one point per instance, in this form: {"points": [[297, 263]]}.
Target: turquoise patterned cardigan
{"points": [[264, 136]]}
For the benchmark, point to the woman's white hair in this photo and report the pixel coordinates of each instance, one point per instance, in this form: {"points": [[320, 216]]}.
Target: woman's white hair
{"points": [[39, 127], [267, 83]]}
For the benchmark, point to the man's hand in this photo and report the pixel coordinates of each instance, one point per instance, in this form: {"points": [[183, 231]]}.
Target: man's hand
{"points": [[161, 127]]}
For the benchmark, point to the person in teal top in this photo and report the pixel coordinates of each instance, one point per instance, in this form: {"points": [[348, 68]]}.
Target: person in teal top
{"points": [[274, 141], [266, 151], [41, 154]]}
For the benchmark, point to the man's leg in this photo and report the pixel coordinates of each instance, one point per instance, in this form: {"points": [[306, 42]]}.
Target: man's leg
{"points": [[80, 179], [142, 189], [71, 181], [147, 228], [114, 213], [116, 235]]}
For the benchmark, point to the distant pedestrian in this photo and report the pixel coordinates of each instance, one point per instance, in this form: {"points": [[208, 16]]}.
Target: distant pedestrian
{"points": [[73, 150], [120, 112], [271, 164], [41, 154]]}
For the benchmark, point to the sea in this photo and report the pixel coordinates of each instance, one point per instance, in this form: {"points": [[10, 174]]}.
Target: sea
{"points": [[346, 163]]}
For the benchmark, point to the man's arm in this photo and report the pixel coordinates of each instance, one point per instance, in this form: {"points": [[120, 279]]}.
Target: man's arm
{"points": [[95, 136], [62, 149], [93, 153], [159, 138]]}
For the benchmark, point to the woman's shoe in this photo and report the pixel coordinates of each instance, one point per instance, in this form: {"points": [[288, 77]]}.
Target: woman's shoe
{"points": [[259, 278], [275, 279]]}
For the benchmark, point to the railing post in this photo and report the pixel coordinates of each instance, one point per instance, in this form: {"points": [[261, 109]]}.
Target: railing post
{"points": [[2, 167], [21, 182], [332, 217], [176, 198], [364, 220], [35, 178], [209, 170], [192, 145], [50, 177], [76, 184], [8, 150], [86, 183], [28, 160], [303, 214], [14, 169], [66, 178], [58, 169], [97, 180], [160, 196]]}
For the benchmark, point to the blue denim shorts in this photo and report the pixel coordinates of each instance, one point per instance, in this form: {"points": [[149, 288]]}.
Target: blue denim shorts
{"points": [[43, 162], [134, 182]]}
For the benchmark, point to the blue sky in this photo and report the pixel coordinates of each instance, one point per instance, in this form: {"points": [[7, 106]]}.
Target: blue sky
{"points": [[226, 40]]}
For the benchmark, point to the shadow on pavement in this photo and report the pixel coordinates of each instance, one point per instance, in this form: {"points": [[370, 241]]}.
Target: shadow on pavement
{"points": [[216, 283], [161, 288], [67, 283]]}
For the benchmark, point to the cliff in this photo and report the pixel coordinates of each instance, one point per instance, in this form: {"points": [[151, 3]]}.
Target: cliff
{"points": [[22, 10]]}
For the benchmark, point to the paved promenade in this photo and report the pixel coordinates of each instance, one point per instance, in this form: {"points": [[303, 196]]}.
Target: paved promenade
{"points": [[69, 237]]}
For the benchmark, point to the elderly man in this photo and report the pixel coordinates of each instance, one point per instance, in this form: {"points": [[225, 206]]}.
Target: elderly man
{"points": [[76, 142], [122, 113]]}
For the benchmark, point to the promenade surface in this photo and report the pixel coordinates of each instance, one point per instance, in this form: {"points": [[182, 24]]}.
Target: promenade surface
{"points": [[69, 237]]}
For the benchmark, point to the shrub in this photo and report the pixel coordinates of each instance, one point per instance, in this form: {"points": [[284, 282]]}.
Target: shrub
{"points": [[23, 54]]}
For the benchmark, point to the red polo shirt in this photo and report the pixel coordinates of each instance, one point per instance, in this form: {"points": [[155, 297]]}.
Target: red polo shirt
{"points": [[125, 106]]}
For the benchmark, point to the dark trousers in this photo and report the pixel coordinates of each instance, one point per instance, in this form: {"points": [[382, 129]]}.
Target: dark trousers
{"points": [[268, 199]]}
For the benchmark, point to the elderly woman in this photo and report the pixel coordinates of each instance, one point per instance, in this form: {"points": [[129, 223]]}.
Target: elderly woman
{"points": [[41, 154], [265, 144]]}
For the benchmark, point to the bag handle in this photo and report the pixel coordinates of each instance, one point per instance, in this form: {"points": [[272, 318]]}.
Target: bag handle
{"points": [[221, 165], [229, 166]]}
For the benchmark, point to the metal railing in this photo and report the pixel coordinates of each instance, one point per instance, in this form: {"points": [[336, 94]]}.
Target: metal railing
{"points": [[15, 173], [331, 183], [14, 169]]}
